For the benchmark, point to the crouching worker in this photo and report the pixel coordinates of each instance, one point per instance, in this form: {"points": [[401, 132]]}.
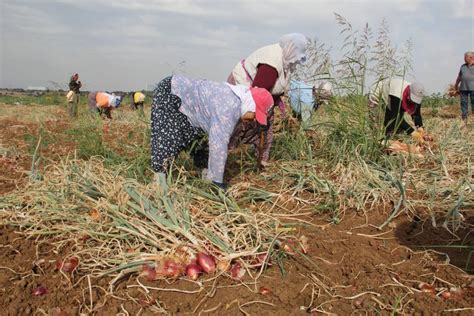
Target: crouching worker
{"points": [[138, 99], [103, 103], [305, 99], [395, 97], [185, 109]]}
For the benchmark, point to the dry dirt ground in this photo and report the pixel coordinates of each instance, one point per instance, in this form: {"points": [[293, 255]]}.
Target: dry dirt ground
{"points": [[353, 268]]}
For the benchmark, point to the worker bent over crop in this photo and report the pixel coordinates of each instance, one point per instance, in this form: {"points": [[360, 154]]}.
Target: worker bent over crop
{"points": [[305, 99], [138, 99], [268, 67], [103, 103], [395, 97], [185, 109]]}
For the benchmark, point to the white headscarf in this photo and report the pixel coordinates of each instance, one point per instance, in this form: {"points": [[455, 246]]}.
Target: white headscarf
{"points": [[294, 48], [114, 100], [325, 90]]}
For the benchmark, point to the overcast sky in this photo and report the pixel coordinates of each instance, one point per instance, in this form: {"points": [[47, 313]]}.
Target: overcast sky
{"points": [[126, 44]]}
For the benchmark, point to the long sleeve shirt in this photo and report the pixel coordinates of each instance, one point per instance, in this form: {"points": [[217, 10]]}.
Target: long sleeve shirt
{"points": [[301, 99], [216, 109], [394, 117], [465, 78], [248, 132], [388, 93]]}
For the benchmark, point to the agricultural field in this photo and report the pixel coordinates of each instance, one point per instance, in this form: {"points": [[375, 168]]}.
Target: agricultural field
{"points": [[336, 224]]}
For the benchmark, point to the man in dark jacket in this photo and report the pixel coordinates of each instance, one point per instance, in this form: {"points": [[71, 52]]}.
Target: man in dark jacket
{"points": [[73, 95]]}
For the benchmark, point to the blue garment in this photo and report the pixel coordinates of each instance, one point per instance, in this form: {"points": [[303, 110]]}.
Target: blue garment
{"points": [[301, 99], [214, 108]]}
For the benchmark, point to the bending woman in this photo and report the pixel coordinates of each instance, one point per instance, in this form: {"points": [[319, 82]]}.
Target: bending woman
{"points": [[184, 109], [269, 68]]}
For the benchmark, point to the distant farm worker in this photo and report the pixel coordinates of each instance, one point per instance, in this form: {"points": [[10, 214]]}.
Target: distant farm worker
{"points": [[138, 99], [305, 98], [185, 109], [395, 97], [268, 67], [103, 103], [465, 85], [73, 95]]}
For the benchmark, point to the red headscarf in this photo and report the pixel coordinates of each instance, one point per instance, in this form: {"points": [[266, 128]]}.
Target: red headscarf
{"points": [[408, 105]]}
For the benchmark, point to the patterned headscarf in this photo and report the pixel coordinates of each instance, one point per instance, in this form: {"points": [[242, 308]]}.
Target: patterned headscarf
{"points": [[294, 48]]}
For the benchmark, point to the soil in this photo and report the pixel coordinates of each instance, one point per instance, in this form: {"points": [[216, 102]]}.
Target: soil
{"points": [[354, 268], [350, 267]]}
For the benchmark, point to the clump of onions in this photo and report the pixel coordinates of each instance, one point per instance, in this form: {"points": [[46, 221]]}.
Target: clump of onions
{"points": [[237, 272], [206, 262], [68, 265], [148, 272], [193, 270], [40, 290]]}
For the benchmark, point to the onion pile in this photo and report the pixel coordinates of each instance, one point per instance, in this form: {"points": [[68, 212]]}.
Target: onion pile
{"points": [[186, 262]]}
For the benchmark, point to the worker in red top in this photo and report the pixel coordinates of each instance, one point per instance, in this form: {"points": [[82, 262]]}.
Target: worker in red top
{"points": [[268, 67]]}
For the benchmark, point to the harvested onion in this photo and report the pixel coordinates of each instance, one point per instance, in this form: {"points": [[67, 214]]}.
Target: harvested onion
{"points": [[40, 290], [193, 270], [264, 290], [288, 249], [171, 269], [206, 262], [262, 259], [148, 272], [68, 265], [237, 272], [427, 288]]}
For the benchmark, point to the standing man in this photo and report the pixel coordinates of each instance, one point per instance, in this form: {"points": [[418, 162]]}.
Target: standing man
{"points": [[465, 85], [73, 95]]}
